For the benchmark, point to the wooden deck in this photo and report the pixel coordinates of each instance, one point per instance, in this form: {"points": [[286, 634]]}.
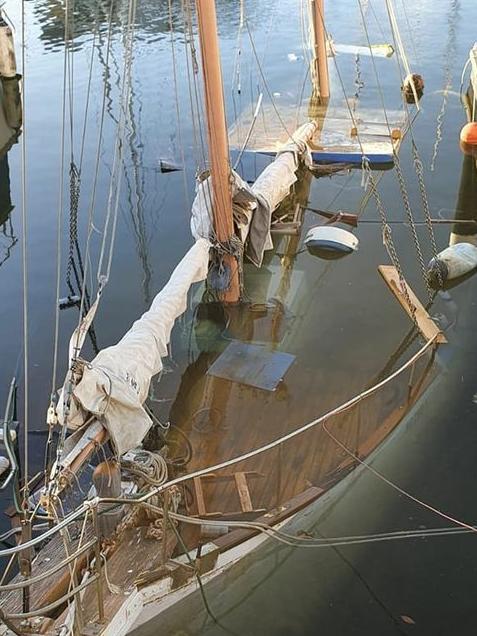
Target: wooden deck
{"points": [[344, 136], [224, 419]]}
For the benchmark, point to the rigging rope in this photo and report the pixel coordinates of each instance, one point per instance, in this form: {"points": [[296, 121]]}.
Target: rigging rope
{"points": [[24, 264], [76, 514], [400, 51], [59, 223], [395, 486], [328, 542], [178, 111], [102, 275], [265, 83], [339, 409], [236, 81], [69, 384], [194, 88], [92, 204], [410, 30]]}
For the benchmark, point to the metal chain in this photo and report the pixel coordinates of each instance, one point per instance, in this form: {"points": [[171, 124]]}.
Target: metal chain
{"points": [[410, 216], [74, 202], [388, 239], [425, 202], [425, 206]]}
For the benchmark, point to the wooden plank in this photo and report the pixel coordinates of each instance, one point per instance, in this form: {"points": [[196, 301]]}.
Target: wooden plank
{"points": [[271, 518], [199, 496], [243, 492], [426, 325], [346, 125]]}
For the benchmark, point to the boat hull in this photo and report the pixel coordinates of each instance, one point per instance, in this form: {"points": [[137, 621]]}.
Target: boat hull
{"points": [[159, 607]]}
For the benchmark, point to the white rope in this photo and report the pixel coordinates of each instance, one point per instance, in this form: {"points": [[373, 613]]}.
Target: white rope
{"points": [[401, 51], [236, 73], [70, 380], [178, 108], [249, 132], [91, 227], [112, 587], [24, 263], [328, 542], [60, 207], [397, 34]]}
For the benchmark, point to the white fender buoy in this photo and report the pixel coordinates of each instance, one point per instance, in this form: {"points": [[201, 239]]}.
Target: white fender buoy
{"points": [[455, 261], [330, 242], [4, 465]]}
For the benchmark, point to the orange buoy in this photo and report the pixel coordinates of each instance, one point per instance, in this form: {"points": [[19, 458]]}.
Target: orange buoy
{"points": [[468, 134]]}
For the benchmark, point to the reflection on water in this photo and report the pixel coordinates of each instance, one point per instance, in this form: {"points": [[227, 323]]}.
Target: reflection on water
{"points": [[152, 18], [466, 207], [8, 238]]}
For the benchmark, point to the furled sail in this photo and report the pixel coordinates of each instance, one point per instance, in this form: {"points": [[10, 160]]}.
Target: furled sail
{"points": [[253, 205], [114, 386]]}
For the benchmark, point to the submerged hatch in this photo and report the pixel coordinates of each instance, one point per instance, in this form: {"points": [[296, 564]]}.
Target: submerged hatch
{"points": [[253, 365]]}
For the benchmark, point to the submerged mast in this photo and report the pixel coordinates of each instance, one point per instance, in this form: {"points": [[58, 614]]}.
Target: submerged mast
{"points": [[217, 139], [320, 59]]}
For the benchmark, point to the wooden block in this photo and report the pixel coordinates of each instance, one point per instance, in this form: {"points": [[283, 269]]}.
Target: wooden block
{"points": [[199, 495], [426, 325], [243, 491]]}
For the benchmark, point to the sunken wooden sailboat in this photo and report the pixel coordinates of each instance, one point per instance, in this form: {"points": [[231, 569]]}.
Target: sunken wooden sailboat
{"points": [[157, 523]]}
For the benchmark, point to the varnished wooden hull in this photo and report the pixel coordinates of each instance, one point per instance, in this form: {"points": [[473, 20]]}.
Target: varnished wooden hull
{"points": [[247, 564]]}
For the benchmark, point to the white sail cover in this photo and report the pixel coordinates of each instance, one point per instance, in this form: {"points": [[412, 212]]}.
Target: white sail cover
{"points": [[116, 383], [253, 206]]}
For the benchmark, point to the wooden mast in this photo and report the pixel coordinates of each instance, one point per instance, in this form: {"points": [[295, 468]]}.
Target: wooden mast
{"points": [[320, 59], [217, 138]]}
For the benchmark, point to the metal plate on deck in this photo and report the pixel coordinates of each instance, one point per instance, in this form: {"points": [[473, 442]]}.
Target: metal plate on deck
{"points": [[252, 365]]}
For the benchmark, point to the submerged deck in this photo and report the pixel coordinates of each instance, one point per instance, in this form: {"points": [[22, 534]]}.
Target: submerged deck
{"points": [[224, 415], [223, 419], [345, 137]]}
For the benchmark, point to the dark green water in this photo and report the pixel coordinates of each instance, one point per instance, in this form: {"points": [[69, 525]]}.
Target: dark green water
{"points": [[348, 323]]}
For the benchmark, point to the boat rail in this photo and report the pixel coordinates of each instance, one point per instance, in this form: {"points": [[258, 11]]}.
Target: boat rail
{"points": [[93, 545]]}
